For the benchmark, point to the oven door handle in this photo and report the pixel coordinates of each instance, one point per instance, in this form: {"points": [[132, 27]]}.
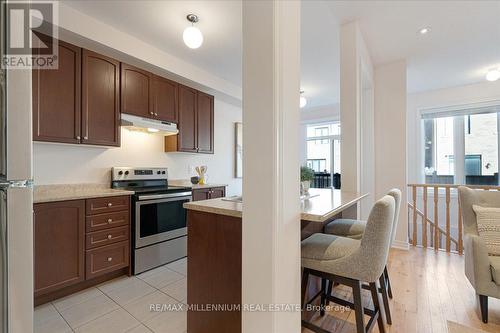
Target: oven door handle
{"points": [[179, 195]]}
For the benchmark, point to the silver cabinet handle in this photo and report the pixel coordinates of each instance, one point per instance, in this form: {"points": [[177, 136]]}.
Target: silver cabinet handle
{"points": [[110, 204], [109, 258], [156, 114], [110, 220], [78, 137], [151, 113], [85, 138], [109, 236]]}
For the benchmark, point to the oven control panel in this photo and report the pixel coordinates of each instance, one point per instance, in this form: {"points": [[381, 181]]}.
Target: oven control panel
{"points": [[127, 173]]}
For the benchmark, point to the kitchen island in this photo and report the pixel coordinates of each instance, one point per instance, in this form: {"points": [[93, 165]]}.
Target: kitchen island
{"points": [[214, 253]]}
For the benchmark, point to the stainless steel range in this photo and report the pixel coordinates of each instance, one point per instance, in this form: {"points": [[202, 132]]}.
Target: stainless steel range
{"points": [[159, 226]]}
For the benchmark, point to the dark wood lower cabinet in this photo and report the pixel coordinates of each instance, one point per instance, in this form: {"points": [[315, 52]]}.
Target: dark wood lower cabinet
{"points": [[59, 245], [206, 193], [214, 266], [73, 251]]}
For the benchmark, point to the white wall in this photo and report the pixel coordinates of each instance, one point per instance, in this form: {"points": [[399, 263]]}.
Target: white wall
{"points": [[390, 138], [473, 93], [62, 163]]}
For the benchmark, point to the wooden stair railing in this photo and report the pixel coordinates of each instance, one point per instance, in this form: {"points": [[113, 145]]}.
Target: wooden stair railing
{"points": [[431, 232], [432, 225]]}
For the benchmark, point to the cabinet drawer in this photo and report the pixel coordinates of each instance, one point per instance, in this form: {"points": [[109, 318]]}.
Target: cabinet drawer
{"points": [[108, 204], [106, 259], [105, 221], [106, 237]]}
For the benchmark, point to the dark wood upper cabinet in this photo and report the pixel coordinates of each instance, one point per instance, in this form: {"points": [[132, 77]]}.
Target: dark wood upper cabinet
{"points": [[100, 99], [136, 91], [164, 99], [205, 123], [59, 245], [196, 123], [187, 138], [56, 98]]}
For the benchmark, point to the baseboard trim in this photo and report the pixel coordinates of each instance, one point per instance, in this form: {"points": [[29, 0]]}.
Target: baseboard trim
{"points": [[400, 245]]}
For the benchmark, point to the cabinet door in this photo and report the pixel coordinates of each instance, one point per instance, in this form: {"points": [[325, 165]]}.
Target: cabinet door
{"points": [[100, 100], [201, 194], [136, 87], [59, 245], [187, 119], [217, 192], [56, 98], [165, 99], [205, 123]]}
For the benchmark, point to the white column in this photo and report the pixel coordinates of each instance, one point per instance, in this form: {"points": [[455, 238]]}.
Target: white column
{"points": [[390, 138], [303, 144], [350, 107], [356, 75], [271, 208]]}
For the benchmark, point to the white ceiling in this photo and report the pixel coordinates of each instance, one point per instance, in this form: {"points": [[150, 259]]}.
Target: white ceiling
{"points": [[464, 41], [161, 23]]}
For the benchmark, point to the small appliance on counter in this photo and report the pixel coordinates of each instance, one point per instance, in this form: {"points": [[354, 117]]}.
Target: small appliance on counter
{"points": [[159, 228]]}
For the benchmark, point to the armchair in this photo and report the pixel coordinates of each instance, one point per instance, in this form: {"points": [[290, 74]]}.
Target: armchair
{"points": [[481, 269]]}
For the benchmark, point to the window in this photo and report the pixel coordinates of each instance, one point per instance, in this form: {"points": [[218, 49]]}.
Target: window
{"points": [[323, 147], [461, 146], [318, 165]]}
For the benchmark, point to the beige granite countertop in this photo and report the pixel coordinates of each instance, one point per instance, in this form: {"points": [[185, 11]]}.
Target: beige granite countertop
{"points": [[321, 206], [216, 206], [187, 183], [61, 192]]}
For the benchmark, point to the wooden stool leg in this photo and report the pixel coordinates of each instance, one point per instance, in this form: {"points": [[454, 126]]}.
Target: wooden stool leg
{"points": [[376, 304], [305, 280], [385, 299], [389, 289], [358, 307], [483, 304], [323, 297]]}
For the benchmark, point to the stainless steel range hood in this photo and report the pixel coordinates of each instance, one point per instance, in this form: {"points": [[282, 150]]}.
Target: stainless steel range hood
{"points": [[148, 125]]}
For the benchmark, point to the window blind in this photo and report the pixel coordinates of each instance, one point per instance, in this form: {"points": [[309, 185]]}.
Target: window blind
{"points": [[464, 110]]}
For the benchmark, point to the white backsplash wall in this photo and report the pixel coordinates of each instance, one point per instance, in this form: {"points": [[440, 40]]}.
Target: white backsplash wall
{"points": [[67, 164]]}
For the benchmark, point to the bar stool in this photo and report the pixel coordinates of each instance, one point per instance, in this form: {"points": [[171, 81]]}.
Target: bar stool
{"points": [[351, 262], [355, 229]]}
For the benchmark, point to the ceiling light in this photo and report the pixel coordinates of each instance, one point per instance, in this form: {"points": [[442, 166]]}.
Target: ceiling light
{"points": [[153, 130], [303, 100], [493, 74], [192, 36], [424, 31]]}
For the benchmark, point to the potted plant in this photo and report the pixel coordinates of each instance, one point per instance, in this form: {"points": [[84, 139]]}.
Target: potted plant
{"points": [[306, 176]]}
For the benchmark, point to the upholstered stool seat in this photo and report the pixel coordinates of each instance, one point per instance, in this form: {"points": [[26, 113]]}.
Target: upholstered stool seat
{"points": [[350, 262], [319, 247], [346, 228]]}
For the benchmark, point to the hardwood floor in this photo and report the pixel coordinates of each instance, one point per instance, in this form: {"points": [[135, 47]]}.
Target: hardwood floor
{"points": [[429, 289]]}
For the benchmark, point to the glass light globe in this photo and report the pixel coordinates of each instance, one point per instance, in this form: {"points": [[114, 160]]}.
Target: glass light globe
{"points": [[192, 37], [303, 101], [493, 75]]}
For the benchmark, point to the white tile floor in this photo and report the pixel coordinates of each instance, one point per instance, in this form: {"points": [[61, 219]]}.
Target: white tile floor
{"points": [[121, 305]]}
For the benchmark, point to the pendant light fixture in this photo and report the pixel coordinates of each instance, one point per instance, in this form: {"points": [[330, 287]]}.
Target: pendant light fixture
{"points": [[303, 100], [192, 36], [493, 74]]}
